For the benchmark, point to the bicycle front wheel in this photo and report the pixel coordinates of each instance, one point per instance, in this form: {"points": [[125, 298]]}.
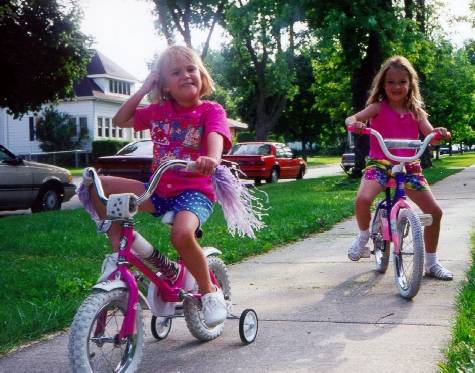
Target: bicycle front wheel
{"points": [[94, 344], [409, 263], [381, 248]]}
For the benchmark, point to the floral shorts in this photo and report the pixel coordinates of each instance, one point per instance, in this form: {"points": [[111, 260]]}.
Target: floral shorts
{"points": [[380, 170], [191, 200]]}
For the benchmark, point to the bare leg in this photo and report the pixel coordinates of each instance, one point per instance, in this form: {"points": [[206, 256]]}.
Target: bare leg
{"points": [[114, 185], [184, 240], [367, 192], [427, 203]]}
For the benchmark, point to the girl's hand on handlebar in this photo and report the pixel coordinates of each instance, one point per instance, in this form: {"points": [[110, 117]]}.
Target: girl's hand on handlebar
{"points": [[441, 134], [357, 127], [205, 165]]}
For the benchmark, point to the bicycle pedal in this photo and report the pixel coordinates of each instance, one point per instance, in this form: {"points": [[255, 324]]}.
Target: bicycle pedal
{"points": [[426, 219]]}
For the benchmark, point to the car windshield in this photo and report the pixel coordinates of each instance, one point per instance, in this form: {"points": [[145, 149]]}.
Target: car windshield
{"points": [[250, 149], [137, 149]]}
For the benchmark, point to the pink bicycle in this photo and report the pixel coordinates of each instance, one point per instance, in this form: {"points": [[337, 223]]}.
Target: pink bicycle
{"points": [[107, 332], [395, 221]]}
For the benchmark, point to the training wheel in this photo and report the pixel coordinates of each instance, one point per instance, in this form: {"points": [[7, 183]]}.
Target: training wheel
{"points": [[248, 325], [161, 327]]}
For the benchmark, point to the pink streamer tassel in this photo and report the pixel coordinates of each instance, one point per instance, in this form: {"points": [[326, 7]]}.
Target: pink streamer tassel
{"points": [[242, 210], [84, 197]]}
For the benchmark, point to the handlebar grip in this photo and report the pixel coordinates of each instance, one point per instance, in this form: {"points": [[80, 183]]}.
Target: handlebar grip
{"points": [[190, 166], [438, 136], [363, 131], [87, 176]]}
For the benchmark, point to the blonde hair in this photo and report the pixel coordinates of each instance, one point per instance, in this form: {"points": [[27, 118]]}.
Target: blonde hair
{"points": [[414, 102], [170, 56]]}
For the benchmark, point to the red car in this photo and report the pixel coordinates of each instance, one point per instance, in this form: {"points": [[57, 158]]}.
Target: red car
{"points": [[267, 160]]}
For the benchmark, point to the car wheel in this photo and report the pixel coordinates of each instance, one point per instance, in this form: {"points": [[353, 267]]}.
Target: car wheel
{"points": [[274, 176], [301, 173], [48, 200]]}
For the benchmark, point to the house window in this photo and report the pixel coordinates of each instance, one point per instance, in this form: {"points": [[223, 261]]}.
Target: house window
{"points": [[82, 126], [121, 133], [119, 86], [31, 122], [107, 127], [100, 127], [114, 131]]}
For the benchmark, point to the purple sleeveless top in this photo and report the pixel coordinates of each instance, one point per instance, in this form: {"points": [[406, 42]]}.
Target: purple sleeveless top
{"points": [[393, 125]]}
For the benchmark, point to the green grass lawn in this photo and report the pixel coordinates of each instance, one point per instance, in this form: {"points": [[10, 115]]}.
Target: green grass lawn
{"points": [[322, 160], [49, 261], [461, 351]]}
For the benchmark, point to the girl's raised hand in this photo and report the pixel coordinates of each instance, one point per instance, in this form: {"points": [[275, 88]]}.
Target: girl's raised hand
{"points": [[205, 165], [150, 81]]}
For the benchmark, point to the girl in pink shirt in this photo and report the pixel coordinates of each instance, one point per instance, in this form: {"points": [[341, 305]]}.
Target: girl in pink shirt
{"points": [[394, 108], [182, 126]]}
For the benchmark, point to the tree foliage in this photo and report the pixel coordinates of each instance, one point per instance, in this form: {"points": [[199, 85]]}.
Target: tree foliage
{"points": [[263, 47], [57, 131], [43, 53], [182, 16]]}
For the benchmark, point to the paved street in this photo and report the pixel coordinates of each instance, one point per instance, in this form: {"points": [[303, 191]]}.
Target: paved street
{"points": [[318, 311]]}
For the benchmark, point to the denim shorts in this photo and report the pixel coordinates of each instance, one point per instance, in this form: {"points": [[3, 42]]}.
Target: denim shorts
{"points": [[380, 171], [191, 200]]}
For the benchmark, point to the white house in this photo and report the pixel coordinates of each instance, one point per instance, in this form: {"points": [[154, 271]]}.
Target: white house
{"points": [[97, 98]]}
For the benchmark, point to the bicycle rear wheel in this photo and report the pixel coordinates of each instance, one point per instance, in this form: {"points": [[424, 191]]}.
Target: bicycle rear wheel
{"points": [[381, 248], [409, 263], [94, 343], [192, 309]]}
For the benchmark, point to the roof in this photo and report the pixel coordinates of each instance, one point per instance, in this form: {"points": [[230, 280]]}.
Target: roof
{"points": [[102, 65], [85, 87]]}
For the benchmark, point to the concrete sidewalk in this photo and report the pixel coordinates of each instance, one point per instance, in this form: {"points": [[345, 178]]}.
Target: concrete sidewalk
{"points": [[318, 311]]}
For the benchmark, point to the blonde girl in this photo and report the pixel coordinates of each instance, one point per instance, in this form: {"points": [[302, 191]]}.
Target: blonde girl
{"points": [[395, 109]]}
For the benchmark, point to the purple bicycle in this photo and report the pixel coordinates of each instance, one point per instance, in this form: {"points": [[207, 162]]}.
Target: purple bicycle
{"points": [[395, 221], [107, 333]]}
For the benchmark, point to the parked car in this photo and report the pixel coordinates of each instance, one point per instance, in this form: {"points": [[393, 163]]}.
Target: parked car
{"points": [[133, 161], [39, 186], [270, 161], [347, 162]]}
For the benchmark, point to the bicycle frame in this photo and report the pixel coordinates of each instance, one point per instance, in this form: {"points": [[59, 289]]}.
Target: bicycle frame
{"points": [[393, 206], [127, 258]]}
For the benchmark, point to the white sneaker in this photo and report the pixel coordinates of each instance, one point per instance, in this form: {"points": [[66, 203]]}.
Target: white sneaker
{"points": [[358, 248], [109, 265], [214, 308], [439, 272]]}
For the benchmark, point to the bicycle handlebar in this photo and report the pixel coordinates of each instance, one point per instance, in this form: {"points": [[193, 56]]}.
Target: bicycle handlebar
{"points": [[90, 176], [399, 143]]}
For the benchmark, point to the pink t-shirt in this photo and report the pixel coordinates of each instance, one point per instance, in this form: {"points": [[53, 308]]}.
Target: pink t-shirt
{"points": [[393, 125], [180, 133]]}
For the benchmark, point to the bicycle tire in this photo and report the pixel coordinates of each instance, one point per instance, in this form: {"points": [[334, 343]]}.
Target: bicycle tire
{"points": [[192, 308], [381, 248], [408, 274], [86, 355]]}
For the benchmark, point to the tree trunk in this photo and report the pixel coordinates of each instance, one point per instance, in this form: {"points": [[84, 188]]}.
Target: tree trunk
{"points": [[361, 84]]}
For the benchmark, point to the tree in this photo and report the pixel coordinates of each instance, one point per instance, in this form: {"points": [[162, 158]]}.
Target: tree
{"points": [[43, 53], [57, 131], [182, 16], [263, 49]]}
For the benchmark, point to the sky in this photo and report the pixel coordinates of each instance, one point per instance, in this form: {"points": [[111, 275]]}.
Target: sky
{"points": [[124, 31]]}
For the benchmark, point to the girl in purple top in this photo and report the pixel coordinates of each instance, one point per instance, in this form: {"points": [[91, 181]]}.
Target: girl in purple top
{"points": [[182, 126], [394, 108]]}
